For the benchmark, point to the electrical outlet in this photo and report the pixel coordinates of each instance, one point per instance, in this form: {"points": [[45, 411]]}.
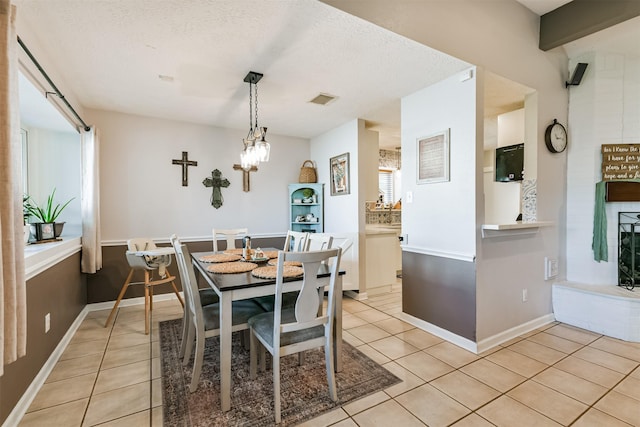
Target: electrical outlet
{"points": [[47, 322], [525, 295], [550, 268]]}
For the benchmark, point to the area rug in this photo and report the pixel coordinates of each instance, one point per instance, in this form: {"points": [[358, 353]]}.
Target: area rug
{"points": [[304, 389]]}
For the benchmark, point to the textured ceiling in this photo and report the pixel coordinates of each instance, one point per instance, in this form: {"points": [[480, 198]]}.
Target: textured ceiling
{"points": [[112, 53]]}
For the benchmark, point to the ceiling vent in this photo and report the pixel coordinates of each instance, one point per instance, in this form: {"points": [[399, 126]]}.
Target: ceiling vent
{"points": [[323, 99]]}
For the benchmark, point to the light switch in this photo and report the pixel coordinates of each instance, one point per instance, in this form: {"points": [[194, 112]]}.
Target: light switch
{"points": [[409, 196]]}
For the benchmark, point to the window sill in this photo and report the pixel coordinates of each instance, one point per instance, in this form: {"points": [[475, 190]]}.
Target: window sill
{"points": [[40, 257]]}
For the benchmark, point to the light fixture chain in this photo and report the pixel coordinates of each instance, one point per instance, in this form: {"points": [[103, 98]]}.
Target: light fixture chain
{"points": [[256, 96], [250, 108]]}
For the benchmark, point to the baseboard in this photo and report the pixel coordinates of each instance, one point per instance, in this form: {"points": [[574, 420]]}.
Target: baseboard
{"points": [[30, 393], [485, 344], [358, 296], [495, 340], [465, 343]]}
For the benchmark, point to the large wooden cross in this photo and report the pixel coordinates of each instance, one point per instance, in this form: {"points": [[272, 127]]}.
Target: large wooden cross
{"points": [[217, 182], [185, 164], [246, 184]]}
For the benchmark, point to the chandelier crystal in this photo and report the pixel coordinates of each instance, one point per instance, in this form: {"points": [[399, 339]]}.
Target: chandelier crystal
{"points": [[255, 149]]}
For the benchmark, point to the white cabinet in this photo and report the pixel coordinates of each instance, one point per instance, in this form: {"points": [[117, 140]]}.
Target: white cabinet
{"points": [[306, 207]]}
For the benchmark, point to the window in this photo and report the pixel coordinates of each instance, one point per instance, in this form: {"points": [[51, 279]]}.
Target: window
{"points": [[385, 185]]}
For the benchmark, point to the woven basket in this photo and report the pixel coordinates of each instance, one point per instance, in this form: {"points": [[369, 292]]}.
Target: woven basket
{"points": [[308, 173]]}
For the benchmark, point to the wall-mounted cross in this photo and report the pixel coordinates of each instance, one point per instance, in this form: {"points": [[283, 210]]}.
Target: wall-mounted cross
{"points": [[185, 164], [246, 184], [218, 183]]}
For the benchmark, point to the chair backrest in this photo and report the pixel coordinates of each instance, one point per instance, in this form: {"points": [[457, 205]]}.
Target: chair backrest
{"points": [[318, 242], [308, 308], [188, 279], [230, 235], [296, 241]]}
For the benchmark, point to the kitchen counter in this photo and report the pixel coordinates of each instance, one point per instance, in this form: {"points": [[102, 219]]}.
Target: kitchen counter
{"points": [[383, 256]]}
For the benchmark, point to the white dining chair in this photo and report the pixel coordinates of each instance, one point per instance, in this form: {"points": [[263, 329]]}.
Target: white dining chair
{"points": [[204, 321], [151, 266], [304, 327], [296, 241], [230, 235]]}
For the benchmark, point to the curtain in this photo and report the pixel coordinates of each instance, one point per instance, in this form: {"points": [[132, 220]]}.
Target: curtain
{"points": [[91, 241], [13, 293]]}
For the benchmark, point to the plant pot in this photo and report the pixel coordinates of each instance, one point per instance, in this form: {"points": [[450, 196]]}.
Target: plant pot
{"points": [[43, 230], [27, 233], [57, 229]]}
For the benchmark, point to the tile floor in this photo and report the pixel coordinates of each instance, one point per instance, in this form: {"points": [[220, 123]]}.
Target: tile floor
{"points": [[556, 375]]}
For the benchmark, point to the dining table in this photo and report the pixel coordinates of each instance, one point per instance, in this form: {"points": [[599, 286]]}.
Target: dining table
{"points": [[238, 286]]}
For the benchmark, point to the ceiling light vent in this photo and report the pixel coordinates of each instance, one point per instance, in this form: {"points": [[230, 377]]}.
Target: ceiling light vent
{"points": [[323, 99]]}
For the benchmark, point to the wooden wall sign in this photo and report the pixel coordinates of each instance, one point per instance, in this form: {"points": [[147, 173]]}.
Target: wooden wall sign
{"points": [[620, 162]]}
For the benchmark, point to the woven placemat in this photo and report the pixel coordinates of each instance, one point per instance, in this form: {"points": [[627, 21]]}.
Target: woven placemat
{"points": [[270, 271], [233, 252], [231, 267], [220, 258], [274, 261], [271, 254]]}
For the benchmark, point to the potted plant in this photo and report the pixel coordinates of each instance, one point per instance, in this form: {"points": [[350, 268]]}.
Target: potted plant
{"points": [[46, 227]]}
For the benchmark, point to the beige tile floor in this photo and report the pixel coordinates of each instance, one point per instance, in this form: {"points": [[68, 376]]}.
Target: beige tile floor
{"points": [[556, 375]]}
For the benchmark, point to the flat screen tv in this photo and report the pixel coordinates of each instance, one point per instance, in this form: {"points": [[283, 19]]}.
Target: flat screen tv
{"points": [[510, 163]]}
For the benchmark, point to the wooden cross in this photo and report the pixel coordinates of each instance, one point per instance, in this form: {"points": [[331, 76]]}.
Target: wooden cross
{"points": [[246, 184], [217, 182], [185, 164]]}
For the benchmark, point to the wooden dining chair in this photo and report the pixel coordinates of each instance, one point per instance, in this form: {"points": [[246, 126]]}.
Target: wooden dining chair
{"points": [[204, 321], [295, 241], [304, 327], [150, 266], [230, 235], [318, 242]]}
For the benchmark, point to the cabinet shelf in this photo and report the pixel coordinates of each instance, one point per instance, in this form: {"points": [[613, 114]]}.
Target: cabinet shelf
{"points": [[299, 209]]}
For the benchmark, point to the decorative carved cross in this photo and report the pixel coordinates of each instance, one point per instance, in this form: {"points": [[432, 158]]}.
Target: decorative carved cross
{"points": [[246, 184], [217, 182], [185, 165]]}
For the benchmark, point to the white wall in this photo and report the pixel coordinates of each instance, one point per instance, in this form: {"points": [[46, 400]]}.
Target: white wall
{"points": [[141, 191], [604, 109], [342, 213], [442, 217]]}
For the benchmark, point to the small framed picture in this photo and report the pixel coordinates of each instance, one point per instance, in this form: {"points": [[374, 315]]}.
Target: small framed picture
{"points": [[45, 231], [339, 173], [433, 158]]}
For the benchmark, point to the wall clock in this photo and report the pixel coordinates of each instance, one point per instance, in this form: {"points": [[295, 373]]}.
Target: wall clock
{"points": [[556, 137]]}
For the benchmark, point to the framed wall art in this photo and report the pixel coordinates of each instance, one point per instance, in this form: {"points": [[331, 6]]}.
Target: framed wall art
{"points": [[433, 158], [339, 173]]}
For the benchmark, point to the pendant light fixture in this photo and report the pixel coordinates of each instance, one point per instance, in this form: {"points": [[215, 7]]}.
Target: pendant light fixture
{"points": [[255, 149]]}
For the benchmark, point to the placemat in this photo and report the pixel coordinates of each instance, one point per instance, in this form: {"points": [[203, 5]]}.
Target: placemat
{"points": [[270, 271], [231, 267], [233, 252], [271, 254], [293, 263], [220, 258]]}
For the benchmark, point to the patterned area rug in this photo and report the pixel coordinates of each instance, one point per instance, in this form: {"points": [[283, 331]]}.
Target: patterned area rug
{"points": [[304, 389]]}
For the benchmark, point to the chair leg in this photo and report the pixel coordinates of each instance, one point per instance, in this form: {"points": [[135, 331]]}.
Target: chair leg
{"points": [[188, 343], [253, 354], [276, 385], [147, 302], [197, 361], [331, 380], [122, 291]]}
